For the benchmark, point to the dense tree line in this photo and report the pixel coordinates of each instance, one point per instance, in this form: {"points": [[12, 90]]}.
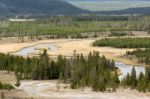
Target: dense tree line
{"points": [[142, 55], [93, 71], [119, 33], [124, 42], [80, 71], [75, 26], [141, 83], [101, 18]]}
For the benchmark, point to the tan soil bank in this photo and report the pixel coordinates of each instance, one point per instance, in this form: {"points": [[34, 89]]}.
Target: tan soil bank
{"points": [[67, 46]]}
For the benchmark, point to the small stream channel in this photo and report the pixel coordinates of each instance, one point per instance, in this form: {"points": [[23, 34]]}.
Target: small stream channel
{"points": [[28, 50]]}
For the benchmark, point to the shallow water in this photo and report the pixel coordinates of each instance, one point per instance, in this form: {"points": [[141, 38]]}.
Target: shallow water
{"points": [[26, 51], [124, 68]]}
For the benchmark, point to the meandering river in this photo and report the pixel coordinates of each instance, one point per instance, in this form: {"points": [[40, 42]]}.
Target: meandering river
{"points": [[124, 68], [28, 50]]}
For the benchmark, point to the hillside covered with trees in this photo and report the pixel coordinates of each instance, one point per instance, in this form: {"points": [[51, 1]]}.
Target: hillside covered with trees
{"points": [[38, 7], [56, 7]]}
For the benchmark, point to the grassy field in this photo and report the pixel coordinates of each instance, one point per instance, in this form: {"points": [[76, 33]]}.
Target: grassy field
{"points": [[75, 27], [61, 28]]}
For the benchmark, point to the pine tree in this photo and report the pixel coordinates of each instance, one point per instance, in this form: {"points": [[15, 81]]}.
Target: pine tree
{"points": [[2, 95], [18, 81], [133, 78], [114, 83], [147, 73], [54, 70], [44, 65], [128, 80], [95, 84], [142, 85], [116, 78], [36, 71], [82, 83], [102, 85], [112, 64], [140, 76], [149, 86]]}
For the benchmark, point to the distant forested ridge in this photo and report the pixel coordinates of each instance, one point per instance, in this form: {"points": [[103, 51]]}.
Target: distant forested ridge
{"points": [[138, 10], [39, 7], [55, 7]]}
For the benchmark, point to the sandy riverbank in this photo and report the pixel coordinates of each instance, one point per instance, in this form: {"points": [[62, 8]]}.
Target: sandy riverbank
{"points": [[67, 46], [49, 90]]}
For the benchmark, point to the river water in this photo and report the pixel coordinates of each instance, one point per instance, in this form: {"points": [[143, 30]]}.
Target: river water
{"points": [[28, 50], [124, 68]]}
